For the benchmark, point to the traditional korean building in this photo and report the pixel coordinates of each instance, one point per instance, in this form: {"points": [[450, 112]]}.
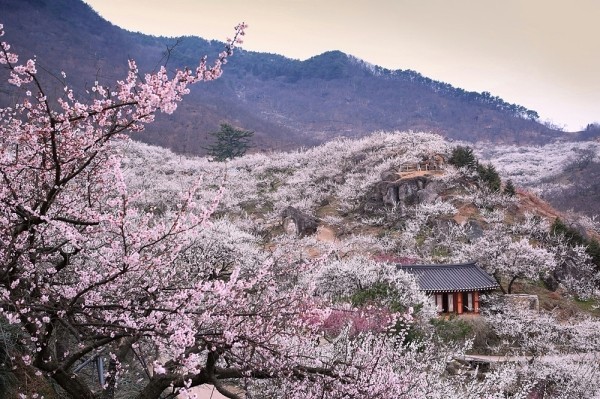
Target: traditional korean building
{"points": [[453, 288]]}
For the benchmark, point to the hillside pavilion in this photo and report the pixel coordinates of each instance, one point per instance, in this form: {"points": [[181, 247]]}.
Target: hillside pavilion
{"points": [[453, 288]]}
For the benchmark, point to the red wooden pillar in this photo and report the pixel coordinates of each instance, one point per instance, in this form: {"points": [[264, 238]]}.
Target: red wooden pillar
{"points": [[476, 301], [459, 302]]}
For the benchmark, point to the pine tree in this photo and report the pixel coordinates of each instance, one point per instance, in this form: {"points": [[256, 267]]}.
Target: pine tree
{"points": [[510, 189], [229, 143], [463, 156], [489, 176]]}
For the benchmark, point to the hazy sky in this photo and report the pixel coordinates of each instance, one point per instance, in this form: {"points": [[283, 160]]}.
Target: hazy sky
{"points": [[542, 54]]}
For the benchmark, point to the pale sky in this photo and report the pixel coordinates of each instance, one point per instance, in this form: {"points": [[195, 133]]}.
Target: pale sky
{"points": [[542, 54]]}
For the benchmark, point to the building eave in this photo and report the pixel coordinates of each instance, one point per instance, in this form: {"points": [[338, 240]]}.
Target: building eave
{"points": [[462, 277]]}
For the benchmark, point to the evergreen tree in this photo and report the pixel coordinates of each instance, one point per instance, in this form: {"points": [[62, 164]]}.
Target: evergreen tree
{"points": [[229, 143], [463, 156], [489, 176], [510, 189]]}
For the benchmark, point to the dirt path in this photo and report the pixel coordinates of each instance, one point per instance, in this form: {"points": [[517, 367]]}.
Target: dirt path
{"points": [[415, 173], [588, 357]]}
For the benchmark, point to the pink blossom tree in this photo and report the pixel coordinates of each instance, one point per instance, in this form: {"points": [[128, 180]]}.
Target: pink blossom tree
{"points": [[86, 274]]}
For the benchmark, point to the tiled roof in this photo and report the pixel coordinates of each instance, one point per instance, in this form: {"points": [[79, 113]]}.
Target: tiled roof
{"points": [[451, 278]]}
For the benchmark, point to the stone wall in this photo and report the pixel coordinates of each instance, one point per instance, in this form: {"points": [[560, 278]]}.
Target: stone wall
{"points": [[522, 301]]}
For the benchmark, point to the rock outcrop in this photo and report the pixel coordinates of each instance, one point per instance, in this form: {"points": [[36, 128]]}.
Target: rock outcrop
{"points": [[402, 192], [298, 223]]}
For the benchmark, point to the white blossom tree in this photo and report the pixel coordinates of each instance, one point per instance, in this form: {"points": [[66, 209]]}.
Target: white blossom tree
{"points": [[558, 357], [504, 253]]}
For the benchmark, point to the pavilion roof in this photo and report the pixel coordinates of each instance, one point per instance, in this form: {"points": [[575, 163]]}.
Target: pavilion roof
{"points": [[451, 278]]}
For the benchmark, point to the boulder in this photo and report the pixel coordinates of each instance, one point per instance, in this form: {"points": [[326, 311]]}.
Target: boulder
{"points": [[298, 223], [401, 191], [389, 175], [429, 193], [339, 179], [398, 192], [419, 189]]}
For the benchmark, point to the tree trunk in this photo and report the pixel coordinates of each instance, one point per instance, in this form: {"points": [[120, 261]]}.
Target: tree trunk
{"points": [[72, 385], [111, 381], [499, 281], [511, 283], [155, 388]]}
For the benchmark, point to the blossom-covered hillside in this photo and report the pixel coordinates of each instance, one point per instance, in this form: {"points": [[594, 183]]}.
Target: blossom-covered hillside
{"points": [[373, 206], [289, 287], [352, 187], [565, 173]]}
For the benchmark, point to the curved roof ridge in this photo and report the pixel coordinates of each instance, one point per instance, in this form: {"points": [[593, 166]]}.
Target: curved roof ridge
{"points": [[451, 277], [472, 263]]}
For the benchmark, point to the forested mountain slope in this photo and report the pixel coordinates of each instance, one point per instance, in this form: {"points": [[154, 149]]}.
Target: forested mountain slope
{"points": [[288, 103]]}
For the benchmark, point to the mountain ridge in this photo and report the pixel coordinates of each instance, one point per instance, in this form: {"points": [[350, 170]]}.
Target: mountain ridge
{"points": [[288, 103]]}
